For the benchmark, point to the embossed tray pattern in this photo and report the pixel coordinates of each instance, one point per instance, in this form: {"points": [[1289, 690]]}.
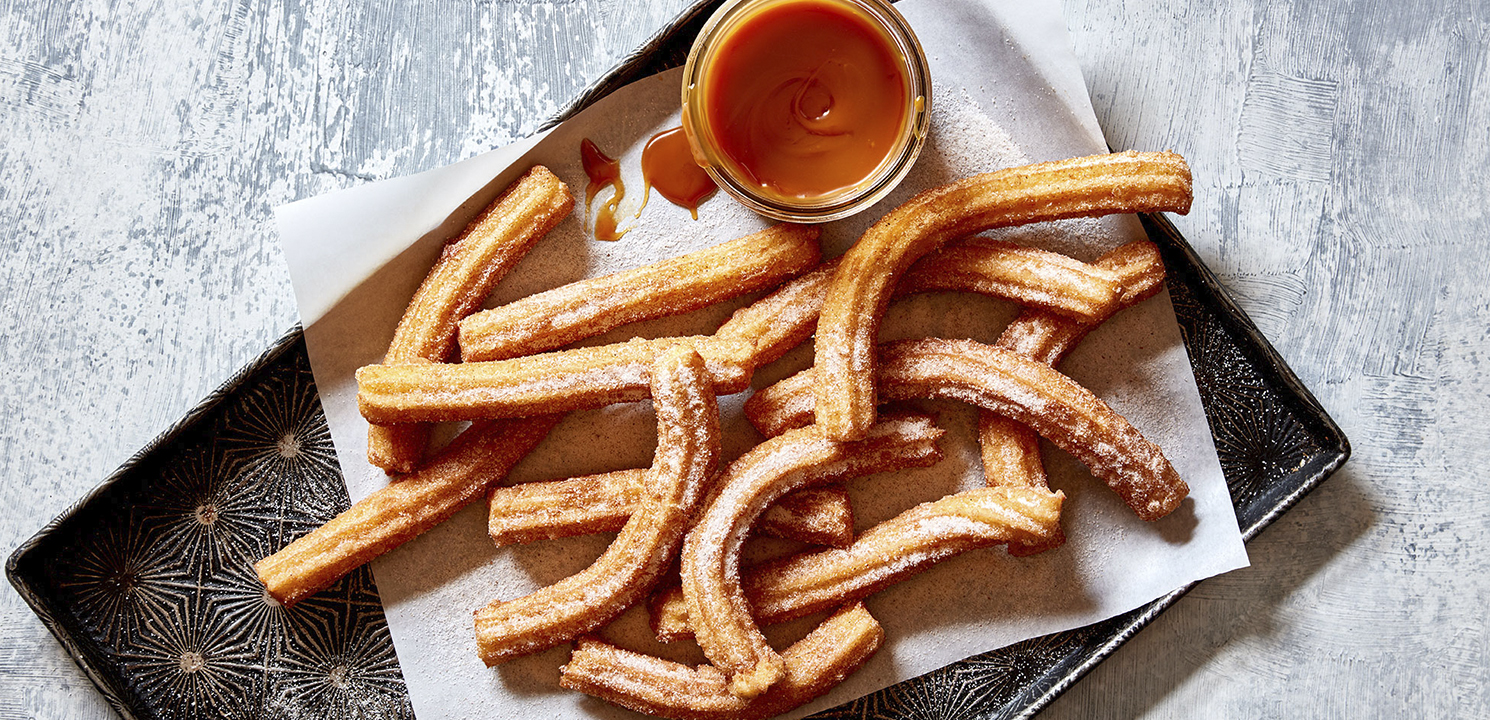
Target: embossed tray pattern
{"points": [[148, 583]]}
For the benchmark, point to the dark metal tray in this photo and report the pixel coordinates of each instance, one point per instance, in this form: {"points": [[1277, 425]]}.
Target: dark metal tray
{"points": [[148, 582]]}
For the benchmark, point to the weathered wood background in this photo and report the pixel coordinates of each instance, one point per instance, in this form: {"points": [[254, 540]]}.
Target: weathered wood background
{"points": [[1340, 151]]}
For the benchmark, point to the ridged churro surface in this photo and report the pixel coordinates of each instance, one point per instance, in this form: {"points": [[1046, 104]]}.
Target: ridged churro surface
{"points": [[710, 566], [687, 458], [810, 667], [862, 285], [465, 273], [603, 503], [472, 462], [582, 378], [887, 553], [553, 319]]}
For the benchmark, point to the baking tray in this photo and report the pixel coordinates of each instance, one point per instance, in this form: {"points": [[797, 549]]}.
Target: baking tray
{"points": [[147, 581]]}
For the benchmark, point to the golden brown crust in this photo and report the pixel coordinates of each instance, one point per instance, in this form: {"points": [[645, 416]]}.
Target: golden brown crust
{"points": [[782, 320], [399, 512], [602, 503], [583, 309], [711, 552], [816, 516], [810, 667], [582, 378], [1035, 395], [1003, 382], [887, 553], [687, 458], [467, 270], [1030, 276], [866, 276], [1010, 450]]}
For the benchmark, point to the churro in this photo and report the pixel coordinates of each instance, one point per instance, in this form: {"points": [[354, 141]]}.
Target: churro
{"points": [[861, 287], [461, 279], [576, 379], [1052, 404], [399, 512], [887, 553], [583, 309], [602, 503], [1008, 384], [686, 459], [1032, 277], [710, 566], [782, 320], [1011, 453], [1011, 458], [644, 683]]}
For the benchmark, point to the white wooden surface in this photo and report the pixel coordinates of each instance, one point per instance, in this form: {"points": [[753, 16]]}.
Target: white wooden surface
{"points": [[1339, 149]]}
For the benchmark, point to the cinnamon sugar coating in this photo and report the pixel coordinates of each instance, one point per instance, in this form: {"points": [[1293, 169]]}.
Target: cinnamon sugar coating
{"points": [[887, 553], [582, 378], [583, 309], [1124, 182], [467, 270], [472, 462], [603, 503], [810, 667], [687, 458], [711, 553]]}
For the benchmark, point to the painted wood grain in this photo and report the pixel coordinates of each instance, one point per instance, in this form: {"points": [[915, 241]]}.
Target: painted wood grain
{"points": [[1339, 150]]}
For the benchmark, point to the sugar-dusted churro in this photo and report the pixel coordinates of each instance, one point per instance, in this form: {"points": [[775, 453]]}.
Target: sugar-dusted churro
{"points": [[461, 279], [887, 553], [1027, 391], [576, 379], [393, 515], [711, 553], [785, 405], [1030, 276], [687, 458], [782, 320], [1010, 450], [866, 276], [602, 503], [1011, 458], [583, 309], [810, 667], [1052, 404], [817, 516]]}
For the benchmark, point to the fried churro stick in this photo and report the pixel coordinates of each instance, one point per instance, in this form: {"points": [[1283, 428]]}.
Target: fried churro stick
{"points": [[468, 269], [782, 320], [861, 287], [686, 460], [1011, 458], [1007, 384], [1035, 395], [1032, 277], [787, 404], [1047, 338], [678, 285], [711, 552], [786, 318], [887, 553], [1011, 452], [393, 515], [810, 667], [602, 503], [576, 379], [816, 516]]}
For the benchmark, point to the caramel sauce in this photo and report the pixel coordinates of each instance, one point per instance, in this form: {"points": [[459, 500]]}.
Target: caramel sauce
{"points": [[806, 97], [668, 166], [602, 171]]}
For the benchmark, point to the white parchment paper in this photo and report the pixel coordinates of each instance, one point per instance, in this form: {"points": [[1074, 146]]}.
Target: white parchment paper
{"points": [[1007, 91]]}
